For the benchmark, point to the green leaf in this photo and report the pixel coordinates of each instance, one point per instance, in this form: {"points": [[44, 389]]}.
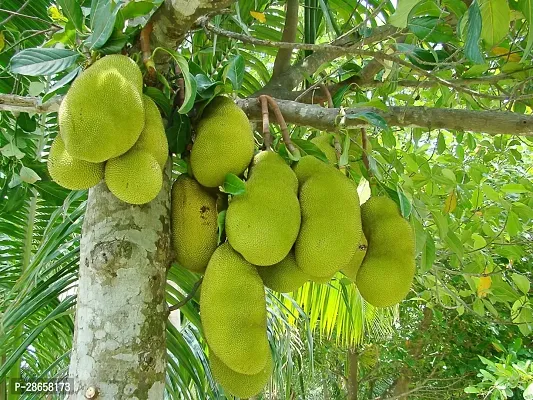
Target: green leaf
{"points": [[179, 133], [345, 151], [234, 71], [405, 204], [521, 282], [136, 9], [428, 254], [371, 117], [526, 7], [495, 17], [471, 389], [431, 29], [72, 11], [441, 143], [310, 148], [159, 98], [103, 17], [62, 83], [400, 16], [473, 34], [11, 150], [190, 83], [42, 61], [28, 175], [514, 188], [233, 185]]}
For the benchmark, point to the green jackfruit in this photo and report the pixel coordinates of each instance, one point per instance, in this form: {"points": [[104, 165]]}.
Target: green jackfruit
{"points": [[308, 166], [331, 223], [325, 143], [70, 172], [284, 276], [194, 224], [224, 144], [388, 269], [353, 266], [134, 177], [322, 281], [153, 138], [240, 385], [262, 224], [102, 115], [233, 312]]}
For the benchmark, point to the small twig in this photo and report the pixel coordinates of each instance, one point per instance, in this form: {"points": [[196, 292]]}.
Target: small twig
{"points": [[267, 137], [364, 143], [283, 125], [337, 146], [146, 50], [22, 7], [187, 298], [15, 13], [328, 95]]}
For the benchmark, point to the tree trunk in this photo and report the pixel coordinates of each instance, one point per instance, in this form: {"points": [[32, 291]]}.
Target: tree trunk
{"points": [[119, 343], [353, 374]]}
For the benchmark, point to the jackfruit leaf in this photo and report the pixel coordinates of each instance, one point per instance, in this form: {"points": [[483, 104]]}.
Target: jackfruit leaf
{"points": [[61, 83], [310, 148], [28, 175], [428, 254], [205, 87], [473, 34], [450, 204], [431, 29], [483, 286], [221, 223], [345, 151], [370, 117], [160, 99], [441, 143], [526, 7], [521, 282], [26, 123], [495, 17], [405, 204], [72, 10], [179, 133], [42, 61], [400, 16], [115, 43], [514, 188], [234, 71], [338, 97], [137, 9], [11, 150], [233, 185], [190, 83], [103, 17]]}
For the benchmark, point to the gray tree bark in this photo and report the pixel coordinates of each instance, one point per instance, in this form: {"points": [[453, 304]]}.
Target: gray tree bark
{"points": [[119, 343]]}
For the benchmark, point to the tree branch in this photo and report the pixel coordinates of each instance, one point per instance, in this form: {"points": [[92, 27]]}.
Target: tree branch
{"points": [[334, 119], [283, 58]]}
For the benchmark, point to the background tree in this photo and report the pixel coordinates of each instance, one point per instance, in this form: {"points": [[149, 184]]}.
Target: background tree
{"points": [[432, 101]]}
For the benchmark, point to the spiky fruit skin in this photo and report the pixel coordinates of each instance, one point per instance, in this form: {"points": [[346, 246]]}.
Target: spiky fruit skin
{"points": [[70, 172], [325, 143], [134, 177], [388, 269], [224, 144], [194, 224], [102, 115], [153, 138], [240, 385], [233, 312], [307, 166], [331, 223], [262, 224], [351, 269], [284, 276]]}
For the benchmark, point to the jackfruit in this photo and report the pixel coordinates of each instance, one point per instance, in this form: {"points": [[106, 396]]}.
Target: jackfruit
{"points": [[331, 223], [233, 312], [284, 276], [325, 143], [70, 172], [134, 177], [321, 281], [353, 266], [388, 268], [308, 166], [153, 138], [262, 224], [102, 115], [240, 385], [194, 224], [224, 144]]}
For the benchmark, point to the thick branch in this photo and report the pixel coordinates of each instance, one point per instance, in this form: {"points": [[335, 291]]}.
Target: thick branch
{"points": [[174, 18], [332, 119], [283, 58]]}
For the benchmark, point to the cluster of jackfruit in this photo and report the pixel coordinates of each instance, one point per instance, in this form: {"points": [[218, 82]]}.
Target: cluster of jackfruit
{"points": [[288, 227], [109, 130]]}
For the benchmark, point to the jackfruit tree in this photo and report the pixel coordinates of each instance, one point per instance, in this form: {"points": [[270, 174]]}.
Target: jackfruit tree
{"points": [[270, 199]]}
